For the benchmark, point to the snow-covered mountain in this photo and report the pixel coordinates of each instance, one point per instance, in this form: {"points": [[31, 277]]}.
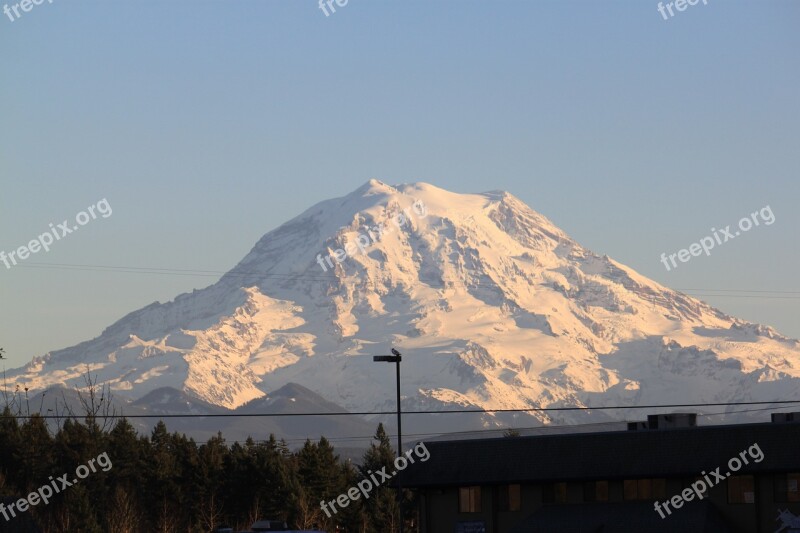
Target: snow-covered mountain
{"points": [[490, 303]]}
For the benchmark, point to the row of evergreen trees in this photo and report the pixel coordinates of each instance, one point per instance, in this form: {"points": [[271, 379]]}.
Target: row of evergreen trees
{"points": [[169, 483]]}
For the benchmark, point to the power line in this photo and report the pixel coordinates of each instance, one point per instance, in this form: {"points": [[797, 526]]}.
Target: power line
{"points": [[746, 296], [440, 412], [761, 294], [499, 431], [169, 271], [542, 428], [741, 290]]}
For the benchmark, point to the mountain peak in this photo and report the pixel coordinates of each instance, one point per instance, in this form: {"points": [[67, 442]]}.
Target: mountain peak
{"points": [[372, 187]]}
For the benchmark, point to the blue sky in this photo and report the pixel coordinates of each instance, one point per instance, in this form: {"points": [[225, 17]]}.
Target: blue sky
{"points": [[206, 124]]}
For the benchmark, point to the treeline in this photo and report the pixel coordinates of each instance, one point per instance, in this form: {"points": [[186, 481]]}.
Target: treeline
{"points": [[166, 482]]}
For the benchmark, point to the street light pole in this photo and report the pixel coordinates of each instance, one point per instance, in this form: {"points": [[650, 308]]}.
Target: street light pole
{"points": [[399, 417], [396, 358]]}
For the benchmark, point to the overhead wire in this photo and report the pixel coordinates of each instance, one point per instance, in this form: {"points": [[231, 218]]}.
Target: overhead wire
{"points": [[704, 292], [433, 412]]}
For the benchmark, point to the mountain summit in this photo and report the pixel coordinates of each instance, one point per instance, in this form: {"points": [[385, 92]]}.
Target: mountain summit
{"points": [[490, 303]]}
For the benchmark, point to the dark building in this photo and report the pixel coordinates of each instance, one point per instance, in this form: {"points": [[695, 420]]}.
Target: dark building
{"points": [[663, 475]]}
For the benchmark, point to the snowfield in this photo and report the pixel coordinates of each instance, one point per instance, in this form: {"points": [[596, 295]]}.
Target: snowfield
{"points": [[490, 303]]}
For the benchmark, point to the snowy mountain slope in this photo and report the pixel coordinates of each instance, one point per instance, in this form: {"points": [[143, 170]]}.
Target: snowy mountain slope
{"points": [[491, 304]]}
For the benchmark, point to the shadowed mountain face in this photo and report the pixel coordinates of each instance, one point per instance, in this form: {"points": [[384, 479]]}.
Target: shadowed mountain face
{"points": [[491, 304], [167, 400], [205, 421]]}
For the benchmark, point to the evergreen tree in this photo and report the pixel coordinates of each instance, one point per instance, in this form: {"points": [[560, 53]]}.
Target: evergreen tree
{"points": [[381, 508], [167, 483], [10, 444], [274, 463], [213, 459], [320, 477], [163, 484]]}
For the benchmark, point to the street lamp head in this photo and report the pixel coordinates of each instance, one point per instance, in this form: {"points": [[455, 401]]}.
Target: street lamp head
{"points": [[386, 358]]}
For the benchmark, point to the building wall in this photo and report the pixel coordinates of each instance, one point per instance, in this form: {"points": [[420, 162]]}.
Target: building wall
{"points": [[440, 512]]}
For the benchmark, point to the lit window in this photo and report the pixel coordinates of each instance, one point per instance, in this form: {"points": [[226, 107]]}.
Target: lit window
{"points": [[601, 491], [787, 487], [741, 489], [561, 492], [595, 491], [629, 489], [659, 488], [554, 493], [469, 499], [509, 498], [644, 489]]}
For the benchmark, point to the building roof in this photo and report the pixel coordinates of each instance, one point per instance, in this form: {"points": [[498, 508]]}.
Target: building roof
{"points": [[679, 452]]}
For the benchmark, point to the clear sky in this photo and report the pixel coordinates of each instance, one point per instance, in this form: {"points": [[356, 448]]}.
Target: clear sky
{"points": [[206, 124]]}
